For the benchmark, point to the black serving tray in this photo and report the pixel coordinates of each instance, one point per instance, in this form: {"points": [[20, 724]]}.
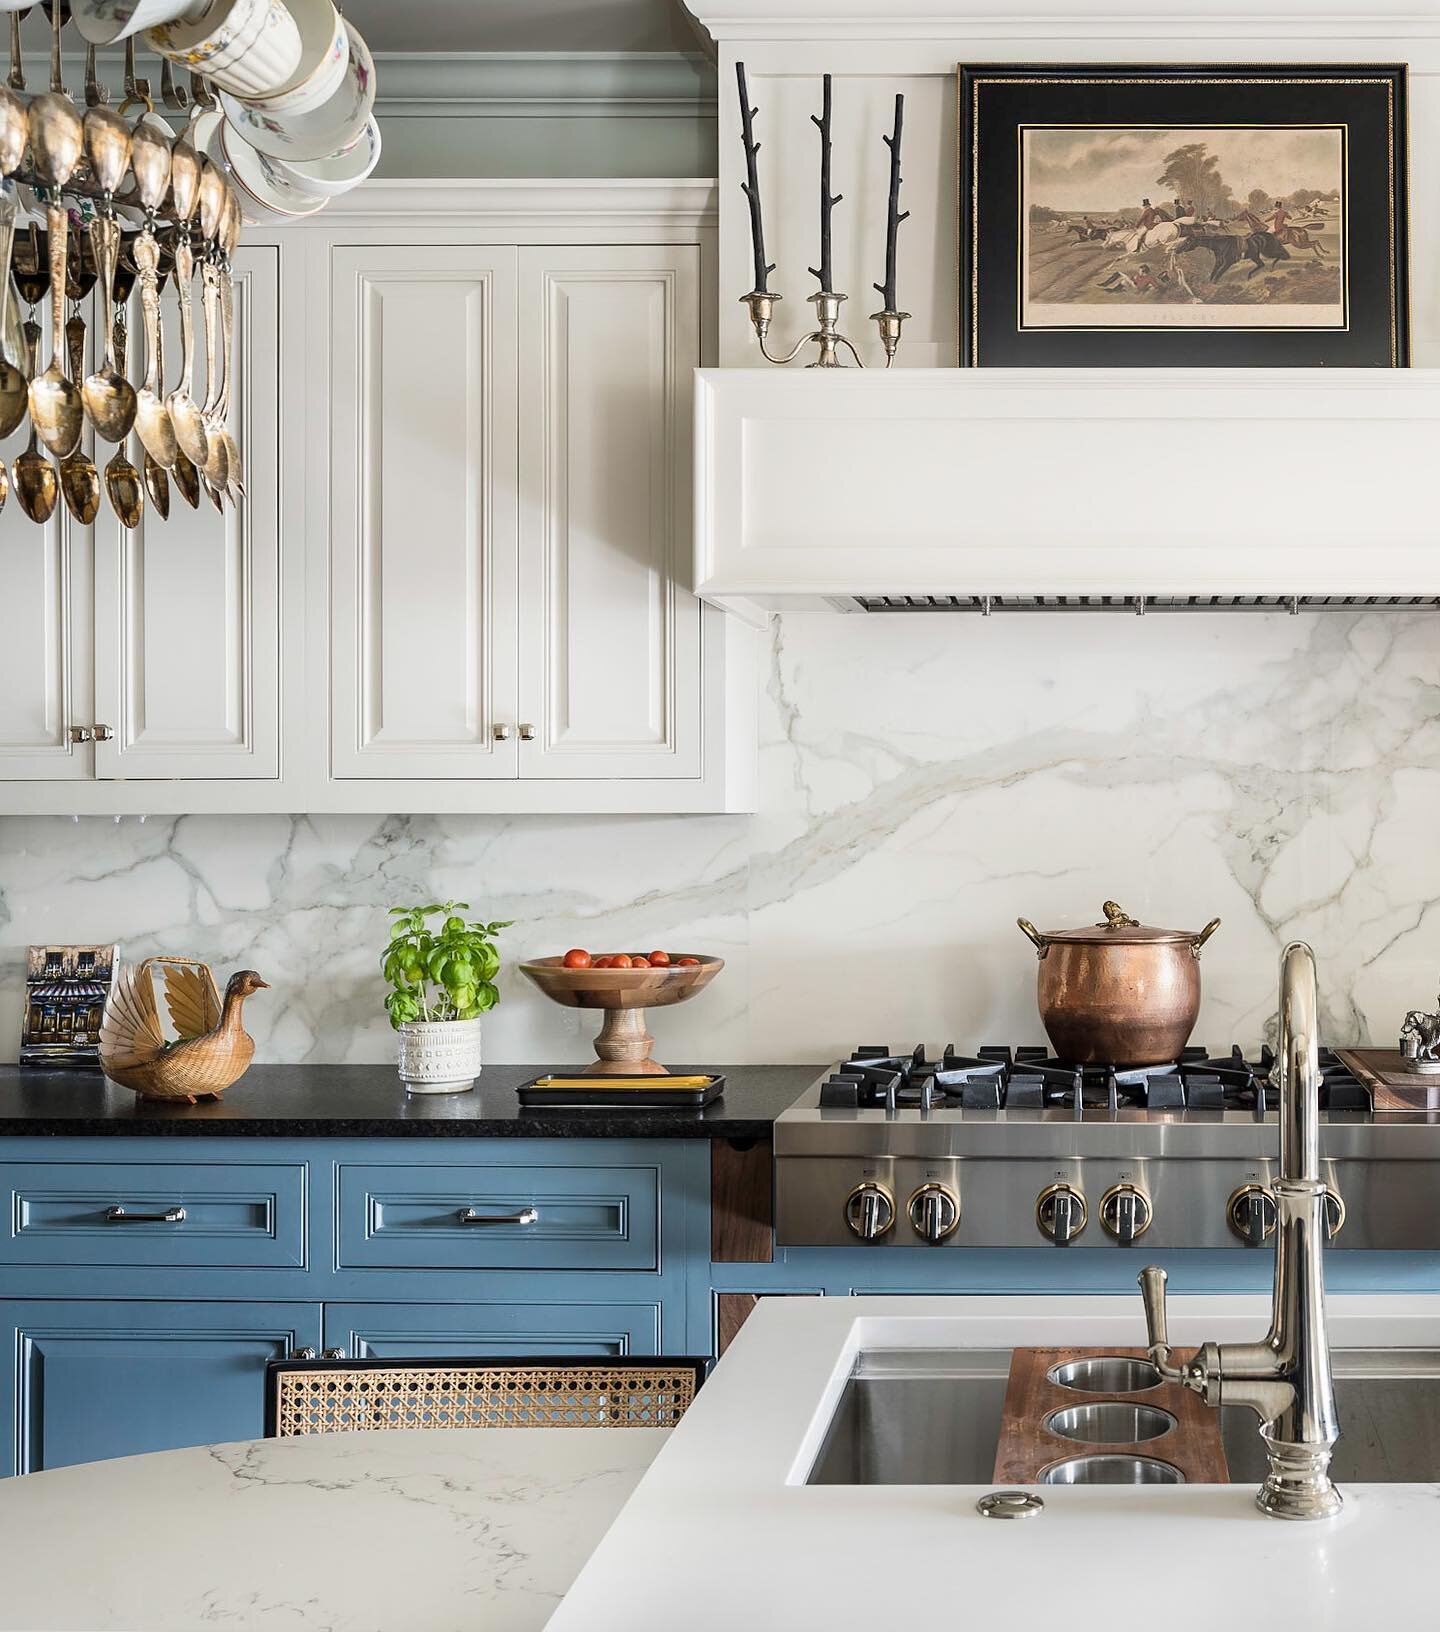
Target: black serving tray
{"points": [[620, 1093]]}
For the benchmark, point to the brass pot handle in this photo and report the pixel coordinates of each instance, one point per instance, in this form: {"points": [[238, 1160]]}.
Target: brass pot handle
{"points": [[1204, 936], [1042, 946]]}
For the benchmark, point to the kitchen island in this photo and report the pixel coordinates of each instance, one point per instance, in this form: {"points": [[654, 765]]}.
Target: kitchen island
{"points": [[732, 1484], [408, 1531]]}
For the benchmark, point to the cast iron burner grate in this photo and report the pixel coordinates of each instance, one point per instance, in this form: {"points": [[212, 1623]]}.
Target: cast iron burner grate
{"points": [[997, 1078]]}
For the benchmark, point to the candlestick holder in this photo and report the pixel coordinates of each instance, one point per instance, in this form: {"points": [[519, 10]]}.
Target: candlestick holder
{"points": [[762, 302]]}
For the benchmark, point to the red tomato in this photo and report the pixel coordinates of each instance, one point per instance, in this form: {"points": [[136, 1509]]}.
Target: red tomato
{"points": [[620, 961], [577, 958], [688, 963], [659, 960]]}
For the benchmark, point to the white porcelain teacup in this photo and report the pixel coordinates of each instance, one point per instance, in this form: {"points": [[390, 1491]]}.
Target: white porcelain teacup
{"points": [[324, 53], [102, 22], [318, 132], [329, 177], [246, 47]]}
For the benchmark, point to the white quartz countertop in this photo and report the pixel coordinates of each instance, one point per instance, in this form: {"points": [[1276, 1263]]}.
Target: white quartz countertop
{"points": [[723, 1532], [434, 1529]]}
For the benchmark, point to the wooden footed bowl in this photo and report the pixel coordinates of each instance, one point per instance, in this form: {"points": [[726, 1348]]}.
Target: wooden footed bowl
{"points": [[622, 1044]]}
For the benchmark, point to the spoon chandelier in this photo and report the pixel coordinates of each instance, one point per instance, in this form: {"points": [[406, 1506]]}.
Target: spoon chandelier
{"points": [[110, 199]]}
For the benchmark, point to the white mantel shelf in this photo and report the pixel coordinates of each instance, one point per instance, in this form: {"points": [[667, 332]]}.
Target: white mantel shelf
{"points": [[815, 488]]}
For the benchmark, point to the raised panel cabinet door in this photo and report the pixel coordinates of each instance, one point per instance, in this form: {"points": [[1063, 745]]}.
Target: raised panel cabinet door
{"points": [[45, 641], [423, 508], [609, 631], [187, 611], [86, 1380], [493, 1330]]}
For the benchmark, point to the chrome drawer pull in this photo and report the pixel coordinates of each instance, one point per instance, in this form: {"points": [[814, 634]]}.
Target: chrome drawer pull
{"points": [[171, 1215], [526, 1215]]}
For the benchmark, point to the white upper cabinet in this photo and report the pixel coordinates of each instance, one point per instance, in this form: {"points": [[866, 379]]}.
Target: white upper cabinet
{"points": [[609, 632], [187, 611], [423, 617], [461, 578]]}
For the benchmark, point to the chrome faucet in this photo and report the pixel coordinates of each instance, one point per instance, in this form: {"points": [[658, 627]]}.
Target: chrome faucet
{"points": [[1285, 1378]]}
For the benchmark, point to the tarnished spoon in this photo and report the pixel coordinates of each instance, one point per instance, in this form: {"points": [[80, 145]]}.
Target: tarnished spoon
{"points": [[123, 486], [56, 144], [14, 387], [157, 485], [217, 463], [79, 479], [187, 479], [36, 485], [229, 238], [110, 399], [184, 410], [14, 131], [152, 416]]}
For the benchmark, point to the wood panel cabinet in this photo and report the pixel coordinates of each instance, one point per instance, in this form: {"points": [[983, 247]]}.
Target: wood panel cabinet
{"points": [[159, 646], [461, 578]]}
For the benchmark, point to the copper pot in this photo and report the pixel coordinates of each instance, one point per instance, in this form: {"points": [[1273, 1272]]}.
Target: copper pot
{"points": [[1119, 993]]}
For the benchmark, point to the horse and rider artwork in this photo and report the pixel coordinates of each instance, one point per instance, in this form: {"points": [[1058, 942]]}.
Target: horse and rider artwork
{"points": [[1187, 227], [1183, 215]]}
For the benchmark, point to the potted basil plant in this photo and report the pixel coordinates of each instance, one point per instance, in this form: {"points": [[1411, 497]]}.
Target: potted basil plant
{"points": [[442, 979]]}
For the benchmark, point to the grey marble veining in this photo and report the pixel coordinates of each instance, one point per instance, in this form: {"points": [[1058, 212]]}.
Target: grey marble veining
{"points": [[432, 1529], [924, 780]]}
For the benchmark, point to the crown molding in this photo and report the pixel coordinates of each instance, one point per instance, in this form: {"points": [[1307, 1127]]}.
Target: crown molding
{"points": [[519, 204], [494, 85], [890, 21]]}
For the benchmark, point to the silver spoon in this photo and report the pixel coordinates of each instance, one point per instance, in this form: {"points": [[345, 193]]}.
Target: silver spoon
{"points": [[14, 387], [56, 143], [36, 485], [123, 486], [109, 397]]}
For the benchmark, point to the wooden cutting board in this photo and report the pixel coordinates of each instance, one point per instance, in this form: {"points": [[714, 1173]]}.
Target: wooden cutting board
{"points": [[1393, 1083], [1193, 1445]]}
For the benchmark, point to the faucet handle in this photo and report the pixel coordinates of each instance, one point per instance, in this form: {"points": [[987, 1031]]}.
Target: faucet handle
{"points": [[1152, 1293]]}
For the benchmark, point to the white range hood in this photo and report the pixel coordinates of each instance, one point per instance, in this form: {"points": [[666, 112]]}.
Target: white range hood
{"points": [[1102, 489]]}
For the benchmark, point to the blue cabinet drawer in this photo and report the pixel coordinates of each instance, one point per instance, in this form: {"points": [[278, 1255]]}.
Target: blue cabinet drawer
{"points": [[500, 1216], [482, 1331], [159, 1215]]}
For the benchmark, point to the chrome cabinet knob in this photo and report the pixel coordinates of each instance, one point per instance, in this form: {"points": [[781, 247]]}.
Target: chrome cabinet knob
{"points": [[335, 1354], [870, 1211], [103, 733], [527, 733], [1251, 1214], [501, 733], [307, 1353], [934, 1212], [82, 733], [1061, 1213], [1125, 1212]]}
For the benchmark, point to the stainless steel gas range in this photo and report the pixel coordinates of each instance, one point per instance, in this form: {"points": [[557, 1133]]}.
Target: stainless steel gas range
{"points": [[1008, 1148]]}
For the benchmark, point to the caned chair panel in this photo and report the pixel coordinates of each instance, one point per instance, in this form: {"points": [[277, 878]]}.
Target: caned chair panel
{"points": [[327, 1398]]}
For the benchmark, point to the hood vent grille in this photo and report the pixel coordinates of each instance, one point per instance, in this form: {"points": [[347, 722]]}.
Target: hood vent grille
{"points": [[1139, 604]]}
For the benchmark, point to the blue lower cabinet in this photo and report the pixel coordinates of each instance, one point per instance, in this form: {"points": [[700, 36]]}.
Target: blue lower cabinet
{"points": [[90, 1380], [420, 1331]]}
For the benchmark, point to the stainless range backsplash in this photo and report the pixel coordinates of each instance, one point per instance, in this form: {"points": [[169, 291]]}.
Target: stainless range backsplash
{"points": [[922, 783]]}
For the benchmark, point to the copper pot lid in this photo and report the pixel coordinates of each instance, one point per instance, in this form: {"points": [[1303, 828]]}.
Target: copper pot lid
{"points": [[1118, 929]]}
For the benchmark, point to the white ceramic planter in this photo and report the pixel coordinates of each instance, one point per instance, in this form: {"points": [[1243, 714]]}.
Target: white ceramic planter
{"points": [[439, 1056]]}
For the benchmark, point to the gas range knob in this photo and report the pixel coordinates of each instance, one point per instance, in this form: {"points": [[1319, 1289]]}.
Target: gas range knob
{"points": [[870, 1211], [934, 1211], [1334, 1212], [1061, 1213], [1252, 1215], [1125, 1212]]}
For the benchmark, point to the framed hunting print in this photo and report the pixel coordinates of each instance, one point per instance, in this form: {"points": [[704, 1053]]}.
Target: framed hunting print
{"points": [[1183, 215]]}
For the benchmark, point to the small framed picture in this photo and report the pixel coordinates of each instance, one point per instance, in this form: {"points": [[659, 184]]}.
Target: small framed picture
{"points": [[65, 992], [1183, 216]]}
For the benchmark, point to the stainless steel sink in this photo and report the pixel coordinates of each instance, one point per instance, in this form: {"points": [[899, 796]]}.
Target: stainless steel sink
{"points": [[927, 1417], [1110, 1468], [1109, 1422]]}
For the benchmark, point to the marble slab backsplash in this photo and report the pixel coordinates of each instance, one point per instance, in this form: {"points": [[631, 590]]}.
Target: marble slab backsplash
{"points": [[924, 780]]}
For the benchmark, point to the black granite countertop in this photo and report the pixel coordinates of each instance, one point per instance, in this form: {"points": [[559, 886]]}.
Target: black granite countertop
{"points": [[368, 1101]]}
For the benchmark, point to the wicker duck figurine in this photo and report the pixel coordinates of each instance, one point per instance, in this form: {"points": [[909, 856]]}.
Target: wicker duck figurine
{"points": [[212, 1048]]}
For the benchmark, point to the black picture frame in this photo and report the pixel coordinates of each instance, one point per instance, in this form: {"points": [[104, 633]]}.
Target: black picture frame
{"points": [[1362, 323]]}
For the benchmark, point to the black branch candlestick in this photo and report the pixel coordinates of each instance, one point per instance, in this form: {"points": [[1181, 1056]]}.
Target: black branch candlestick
{"points": [[826, 300], [892, 317], [751, 187]]}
